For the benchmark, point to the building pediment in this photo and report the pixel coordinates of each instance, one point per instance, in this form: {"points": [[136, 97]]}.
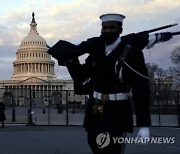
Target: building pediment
{"points": [[32, 80]]}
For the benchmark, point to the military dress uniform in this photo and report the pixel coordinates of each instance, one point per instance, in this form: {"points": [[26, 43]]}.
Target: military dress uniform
{"points": [[109, 80], [106, 85], [109, 108]]}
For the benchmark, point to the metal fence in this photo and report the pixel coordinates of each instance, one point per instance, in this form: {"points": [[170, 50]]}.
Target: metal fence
{"points": [[47, 107], [59, 107], [165, 108]]}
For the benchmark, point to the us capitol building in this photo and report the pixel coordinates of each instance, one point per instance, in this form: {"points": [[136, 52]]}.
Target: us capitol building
{"points": [[33, 69]]}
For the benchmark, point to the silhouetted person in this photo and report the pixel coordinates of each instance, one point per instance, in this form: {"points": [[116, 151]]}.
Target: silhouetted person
{"points": [[2, 114]]}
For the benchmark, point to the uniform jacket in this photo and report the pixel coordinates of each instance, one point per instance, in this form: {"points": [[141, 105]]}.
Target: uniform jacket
{"points": [[101, 70]]}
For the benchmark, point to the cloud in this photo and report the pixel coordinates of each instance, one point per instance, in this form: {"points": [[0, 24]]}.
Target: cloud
{"points": [[161, 53], [78, 20], [1, 42]]}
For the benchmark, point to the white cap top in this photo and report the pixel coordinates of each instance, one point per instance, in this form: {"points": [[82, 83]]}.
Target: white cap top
{"points": [[112, 17]]}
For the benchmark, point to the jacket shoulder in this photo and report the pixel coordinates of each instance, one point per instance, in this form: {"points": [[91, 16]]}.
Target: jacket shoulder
{"points": [[137, 40], [94, 40], [128, 38]]}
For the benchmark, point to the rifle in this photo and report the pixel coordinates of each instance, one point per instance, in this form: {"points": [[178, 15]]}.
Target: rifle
{"points": [[175, 33], [164, 27], [64, 51], [160, 28]]}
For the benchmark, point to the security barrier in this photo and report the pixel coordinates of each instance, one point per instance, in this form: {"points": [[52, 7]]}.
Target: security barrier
{"points": [[64, 107]]}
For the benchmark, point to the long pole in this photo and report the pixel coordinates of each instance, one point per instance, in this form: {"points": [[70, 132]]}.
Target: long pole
{"points": [[178, 95], [67, 116], [175, 33], [49, 102], [30, 110], [49, 105]]}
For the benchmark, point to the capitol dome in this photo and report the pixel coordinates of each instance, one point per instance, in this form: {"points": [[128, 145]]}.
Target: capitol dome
{"points": [[32, 58], [33, 38]]}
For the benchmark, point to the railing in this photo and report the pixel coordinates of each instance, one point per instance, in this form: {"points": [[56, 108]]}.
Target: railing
{"points": [[50, 107], [165, 108], [47, 107]]}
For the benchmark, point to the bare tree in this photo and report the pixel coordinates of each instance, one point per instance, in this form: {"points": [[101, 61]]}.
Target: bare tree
{"points": [[158, 77], [160, 84], [175, 59], [175, 69], [151, 67]]}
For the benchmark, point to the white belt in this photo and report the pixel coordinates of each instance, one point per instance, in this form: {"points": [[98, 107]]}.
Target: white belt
{"points": [[111, 97]]}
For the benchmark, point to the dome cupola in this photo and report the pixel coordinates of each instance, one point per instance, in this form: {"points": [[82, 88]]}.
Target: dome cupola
{"points": [[33, 39]]}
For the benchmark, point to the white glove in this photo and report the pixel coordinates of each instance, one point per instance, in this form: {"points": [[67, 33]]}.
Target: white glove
{"points": [[144, 133]]}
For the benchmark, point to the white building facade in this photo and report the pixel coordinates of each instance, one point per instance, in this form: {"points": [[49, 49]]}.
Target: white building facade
{"points": [[33, 70]]}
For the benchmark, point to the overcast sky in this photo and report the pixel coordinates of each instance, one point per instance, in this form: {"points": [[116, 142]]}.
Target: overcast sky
{"points": [[77, 20]]}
